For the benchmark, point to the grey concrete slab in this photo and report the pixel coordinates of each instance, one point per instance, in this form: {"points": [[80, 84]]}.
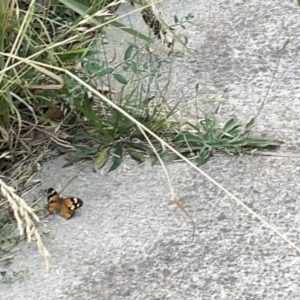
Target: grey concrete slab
{"points": [[130, 241]]}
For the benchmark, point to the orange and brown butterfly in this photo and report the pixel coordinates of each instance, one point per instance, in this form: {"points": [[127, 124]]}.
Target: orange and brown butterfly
{"points": [[67, 206]]}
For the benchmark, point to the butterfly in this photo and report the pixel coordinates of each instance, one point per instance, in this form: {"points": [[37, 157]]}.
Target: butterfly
{"points": [[67, 206]]}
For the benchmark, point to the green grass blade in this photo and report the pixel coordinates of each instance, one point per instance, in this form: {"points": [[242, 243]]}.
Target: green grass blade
{"points": [[117, 158]]}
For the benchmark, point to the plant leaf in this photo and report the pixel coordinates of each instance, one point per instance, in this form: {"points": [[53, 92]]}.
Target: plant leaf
{"points": [[249, 125], [134, 67], [101, 158], [83, 152], [117, 158], [163, 155], [258, 143], [230, 125], [128, 52], [137, 155], [105, 71], [203, 156], [120, 78]]}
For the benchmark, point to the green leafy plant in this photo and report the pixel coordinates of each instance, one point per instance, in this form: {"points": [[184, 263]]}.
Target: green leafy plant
{"points": [[208, 137]]}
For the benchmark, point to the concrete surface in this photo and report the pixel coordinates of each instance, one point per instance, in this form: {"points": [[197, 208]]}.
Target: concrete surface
{"points": [[129, 240]]}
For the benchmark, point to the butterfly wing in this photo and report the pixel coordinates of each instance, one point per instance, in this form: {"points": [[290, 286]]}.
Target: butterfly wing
{"points": [[68, 207], [53, 200]]}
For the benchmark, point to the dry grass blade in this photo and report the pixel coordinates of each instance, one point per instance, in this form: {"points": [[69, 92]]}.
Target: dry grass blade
{"points": [[24, 24], [173, 194], [24, 216], [5, 155], [276, 154], [50, 74], [6, 257], [179, 204]]}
